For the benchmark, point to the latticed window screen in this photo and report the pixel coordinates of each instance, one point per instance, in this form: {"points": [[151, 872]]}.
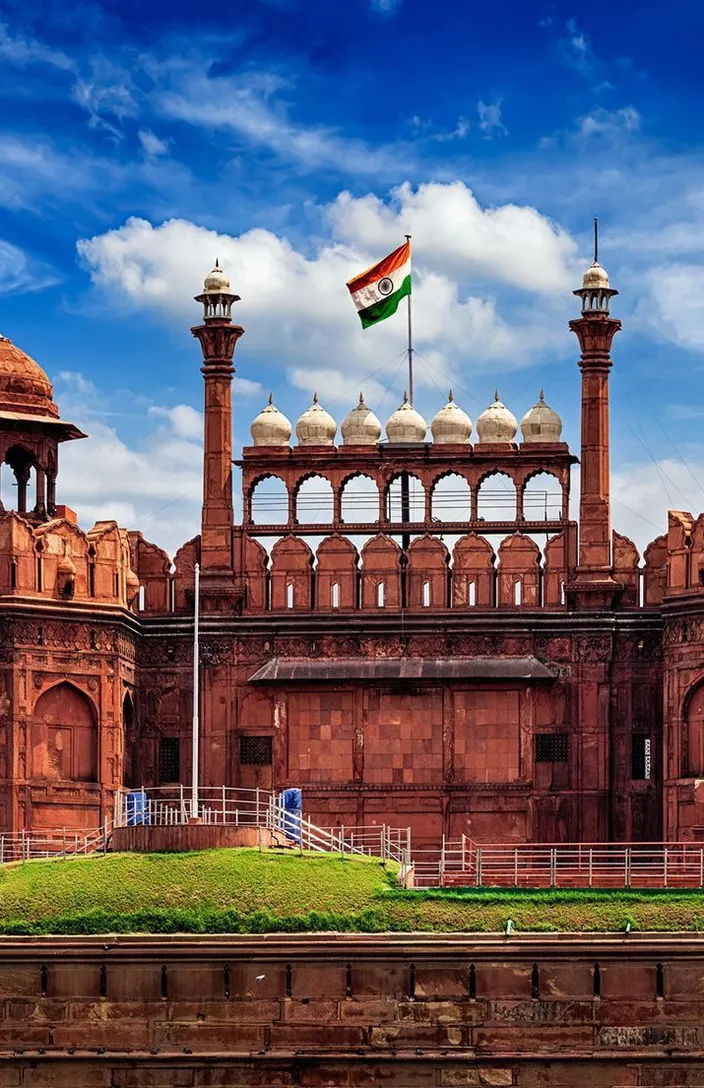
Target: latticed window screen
{"points": [[255, 750], [641, 765], [170, 759], [551, 748]]}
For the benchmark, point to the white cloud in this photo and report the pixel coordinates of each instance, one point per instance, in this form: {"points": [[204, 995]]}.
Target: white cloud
{"points": [[151, 144], [22, 52], [246, 388], [251, 107], [611, 123], [509, 244], [296, 307], [673, 304], [576, 49], [19, 272], [643, 493], [490, 123], [156, 487], [186, 421]]}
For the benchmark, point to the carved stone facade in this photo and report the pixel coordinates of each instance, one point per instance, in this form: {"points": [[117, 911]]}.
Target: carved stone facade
{"points": [[434, 662]]}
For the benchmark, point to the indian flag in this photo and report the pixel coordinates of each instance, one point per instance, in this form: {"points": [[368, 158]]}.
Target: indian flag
{"points": [[377, 292]]}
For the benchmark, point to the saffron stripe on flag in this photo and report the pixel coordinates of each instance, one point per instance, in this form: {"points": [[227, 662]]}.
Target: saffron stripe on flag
{"points": [[384, 268]]}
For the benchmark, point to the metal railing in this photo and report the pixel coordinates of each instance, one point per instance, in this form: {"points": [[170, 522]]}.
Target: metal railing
{"points": [[217, 805], [62, 842], [463, 863], [261, 808]]}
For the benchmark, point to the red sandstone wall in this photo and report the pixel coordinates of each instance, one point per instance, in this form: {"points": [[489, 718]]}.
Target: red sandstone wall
{"points": [[457, 758], [326, 1011]]}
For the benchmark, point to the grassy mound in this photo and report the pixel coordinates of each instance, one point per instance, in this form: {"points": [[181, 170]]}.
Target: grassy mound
{"points": [[243, 891]]}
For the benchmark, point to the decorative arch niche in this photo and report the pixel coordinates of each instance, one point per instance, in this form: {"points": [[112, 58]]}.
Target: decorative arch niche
{"points": [[693, 753], [64, 736], [130, 750]]}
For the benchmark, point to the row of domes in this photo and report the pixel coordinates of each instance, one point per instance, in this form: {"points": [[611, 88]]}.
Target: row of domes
{"points": [[451, 425]]}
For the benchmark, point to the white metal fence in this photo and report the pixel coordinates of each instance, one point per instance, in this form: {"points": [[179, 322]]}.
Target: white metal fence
{"points": [[171, 806]]}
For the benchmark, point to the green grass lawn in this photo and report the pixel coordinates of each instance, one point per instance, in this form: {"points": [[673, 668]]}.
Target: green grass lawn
{"points": [[243, 891]]}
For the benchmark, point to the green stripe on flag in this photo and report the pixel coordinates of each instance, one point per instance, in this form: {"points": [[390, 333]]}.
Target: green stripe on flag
{"points": [[386, 306]]}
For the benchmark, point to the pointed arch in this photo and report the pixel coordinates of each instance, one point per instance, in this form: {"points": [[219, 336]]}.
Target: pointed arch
{"points": [[555, 574], [394, 499], [473, 572], [496, 497], [359, 499], [655, 574], [64, 735], [337, 567], [314, 500], [626, 561], [542, 497], [291, 574], [256, 565], [130, 746], [268, 500], [427, 573], [381, 566], [519, 565], [451, 497]]}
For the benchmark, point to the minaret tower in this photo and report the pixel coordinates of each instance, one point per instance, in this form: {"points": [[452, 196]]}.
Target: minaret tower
{"points": [[594, 586], [218, 337]]}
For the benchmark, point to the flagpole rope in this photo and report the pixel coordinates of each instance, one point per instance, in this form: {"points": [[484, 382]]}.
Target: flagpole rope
{"points": [[372, 374]]}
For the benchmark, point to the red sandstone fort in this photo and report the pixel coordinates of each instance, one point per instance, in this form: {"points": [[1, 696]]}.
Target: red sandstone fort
{"points": [[413, 632]]}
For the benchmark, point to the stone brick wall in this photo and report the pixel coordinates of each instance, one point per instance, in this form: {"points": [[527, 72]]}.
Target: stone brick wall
{"points": [[325, 1010]]}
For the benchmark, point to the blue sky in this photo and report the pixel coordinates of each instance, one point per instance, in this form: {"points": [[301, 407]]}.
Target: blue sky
{"points": [[298, 141]]}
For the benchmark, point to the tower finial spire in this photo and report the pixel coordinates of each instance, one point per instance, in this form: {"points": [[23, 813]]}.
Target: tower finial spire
{"points": [[596, 239]]}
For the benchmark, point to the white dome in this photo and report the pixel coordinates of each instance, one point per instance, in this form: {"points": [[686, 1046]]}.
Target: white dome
{"points": [[361, 427], [541, 423], [451, 425], [316, 427], [595, 277], [406, 425], [497, 423], [217, 280], [270, 427]]}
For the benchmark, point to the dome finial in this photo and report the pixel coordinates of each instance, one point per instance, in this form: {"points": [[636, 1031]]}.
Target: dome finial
{"points": [[315, 426], [497, 423], [360, 427], [406, 424], [541, 423], [270, 427], [451, 425], [405, 397], [217, 296], [596, 291]]}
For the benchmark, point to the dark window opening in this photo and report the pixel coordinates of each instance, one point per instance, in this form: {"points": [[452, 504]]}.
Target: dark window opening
{"points": [[255, 751], [170, 759], [551, 748], [641, 763], [13, 574]]}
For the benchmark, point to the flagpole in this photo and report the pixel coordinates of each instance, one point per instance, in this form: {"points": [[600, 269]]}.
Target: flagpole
{"points": [[410, 341], [196, 698]]}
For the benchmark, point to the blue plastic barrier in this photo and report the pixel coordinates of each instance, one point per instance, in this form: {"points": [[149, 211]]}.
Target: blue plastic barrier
{"points": [[136, 808], [291, 801]]}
